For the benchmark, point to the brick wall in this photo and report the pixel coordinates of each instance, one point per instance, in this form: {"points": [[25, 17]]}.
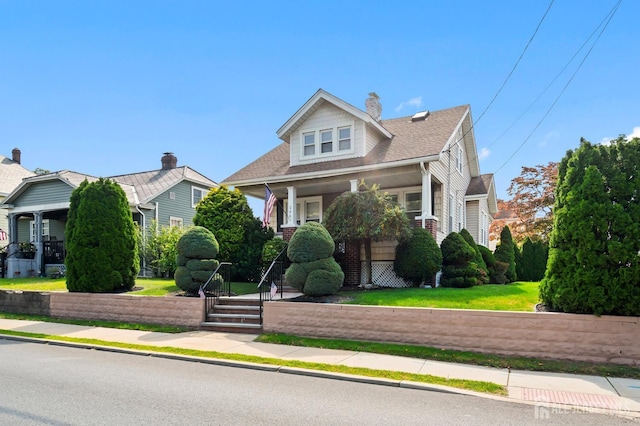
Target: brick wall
{"points": [[533, 334], [177, 311]]}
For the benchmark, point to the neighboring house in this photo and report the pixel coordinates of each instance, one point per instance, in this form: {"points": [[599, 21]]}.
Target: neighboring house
{"points": [[503, 217], [427, 162], [11, 174], [38, 207]]}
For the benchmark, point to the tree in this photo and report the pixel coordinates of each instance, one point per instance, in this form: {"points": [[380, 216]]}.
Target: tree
{"points": [[533, 260], [158, 249], [418, 258], [531, 204], [366, 216], [240, 235], [594, 265], [505, 253], [101, 239]]}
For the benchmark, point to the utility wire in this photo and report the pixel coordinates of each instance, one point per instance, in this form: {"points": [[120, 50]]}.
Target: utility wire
{"points": [[553, 104], [553, 81], [504, 83]]}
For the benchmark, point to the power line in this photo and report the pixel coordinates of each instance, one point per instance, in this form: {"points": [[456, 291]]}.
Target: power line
{"points": [[553, 104]]}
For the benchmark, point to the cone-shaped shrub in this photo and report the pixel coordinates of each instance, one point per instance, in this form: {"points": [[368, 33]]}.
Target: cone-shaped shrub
{"points": [[419, 258], [458, 268]]}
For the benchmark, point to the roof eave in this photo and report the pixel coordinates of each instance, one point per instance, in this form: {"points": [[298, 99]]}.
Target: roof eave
{"points": [[330, 173]]}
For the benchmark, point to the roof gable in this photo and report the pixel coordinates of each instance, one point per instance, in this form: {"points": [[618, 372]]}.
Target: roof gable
{"points": [[317, 100]]}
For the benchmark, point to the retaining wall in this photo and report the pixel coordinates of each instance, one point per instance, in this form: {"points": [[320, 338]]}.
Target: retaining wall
{"points": [[178, 311], [24, 302], [532, 334]]}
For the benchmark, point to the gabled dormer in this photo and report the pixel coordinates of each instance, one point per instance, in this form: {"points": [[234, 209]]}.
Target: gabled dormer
{"points": [[326, 128]]}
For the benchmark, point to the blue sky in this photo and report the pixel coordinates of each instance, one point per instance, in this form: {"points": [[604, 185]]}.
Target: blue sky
{"points": [[105, 87]]}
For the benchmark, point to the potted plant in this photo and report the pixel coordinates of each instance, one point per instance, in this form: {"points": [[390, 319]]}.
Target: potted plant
{"points": [[27, 250]]}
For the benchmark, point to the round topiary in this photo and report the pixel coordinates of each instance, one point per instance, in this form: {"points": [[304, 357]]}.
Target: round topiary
{"points": [[209, 265], [310, 242], [322, 282], [296, 276], [419, 258], [198, 243]]}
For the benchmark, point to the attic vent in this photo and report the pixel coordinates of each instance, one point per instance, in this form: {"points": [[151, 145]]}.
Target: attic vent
{"points": [[172, 195], [420, 116]]}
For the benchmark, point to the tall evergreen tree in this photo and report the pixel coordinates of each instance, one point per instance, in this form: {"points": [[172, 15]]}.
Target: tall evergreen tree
{"points": [[594, 262], [505, 252], [226, 213], [101, 239]]}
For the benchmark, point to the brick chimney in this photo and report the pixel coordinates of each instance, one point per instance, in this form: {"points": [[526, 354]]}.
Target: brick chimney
{"points": [[16, 155], [169, 161], [373, 106]]}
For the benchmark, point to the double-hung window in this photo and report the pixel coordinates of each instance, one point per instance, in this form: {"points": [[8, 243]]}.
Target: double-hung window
{"points": [[327, 141], [197, 194]]}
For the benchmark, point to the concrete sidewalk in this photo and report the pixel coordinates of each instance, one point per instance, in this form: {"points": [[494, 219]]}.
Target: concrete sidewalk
{"points": [[546, 391]]}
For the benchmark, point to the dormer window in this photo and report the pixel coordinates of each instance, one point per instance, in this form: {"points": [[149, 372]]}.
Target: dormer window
{"points": [[327, 141]]}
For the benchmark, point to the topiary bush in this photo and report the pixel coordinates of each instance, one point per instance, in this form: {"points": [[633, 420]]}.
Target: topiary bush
{"points": [[197, 249], [313, 271], [458, 268], [483, 271], [419, 258]]}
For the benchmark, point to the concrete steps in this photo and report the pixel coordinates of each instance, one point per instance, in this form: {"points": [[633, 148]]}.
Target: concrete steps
{"points": [[234, 316]]}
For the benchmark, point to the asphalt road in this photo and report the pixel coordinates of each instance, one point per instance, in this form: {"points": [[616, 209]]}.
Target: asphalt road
{"points": [[53, 385]]}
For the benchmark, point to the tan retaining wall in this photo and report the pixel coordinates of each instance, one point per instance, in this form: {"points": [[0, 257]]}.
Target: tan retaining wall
{"points": [[178, 311], [532, 334]]}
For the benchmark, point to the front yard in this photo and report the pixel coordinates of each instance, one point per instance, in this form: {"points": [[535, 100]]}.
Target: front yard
{"points": [[518, 296]]}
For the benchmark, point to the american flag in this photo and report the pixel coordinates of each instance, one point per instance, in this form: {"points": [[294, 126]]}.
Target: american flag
{"points": [[269, 201], [3, 235]]}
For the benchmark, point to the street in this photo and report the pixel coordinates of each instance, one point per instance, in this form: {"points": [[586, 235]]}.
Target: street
{"points": [[56, 385]]}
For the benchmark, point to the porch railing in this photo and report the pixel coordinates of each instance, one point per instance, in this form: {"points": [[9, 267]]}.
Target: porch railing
{"points": [[54, 252]]}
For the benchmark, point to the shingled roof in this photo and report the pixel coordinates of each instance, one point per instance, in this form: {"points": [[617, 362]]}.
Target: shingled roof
{"points": [[480, 185], [411, 140], [11, 174]]}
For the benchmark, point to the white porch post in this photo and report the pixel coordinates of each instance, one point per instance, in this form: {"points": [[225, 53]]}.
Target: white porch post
{"points": [[13, 233], [38, 240], [291, 207], [354, 185]]}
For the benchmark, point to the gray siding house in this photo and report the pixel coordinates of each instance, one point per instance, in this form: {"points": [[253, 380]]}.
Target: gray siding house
{"points": [[37, 210], [11, 174]]}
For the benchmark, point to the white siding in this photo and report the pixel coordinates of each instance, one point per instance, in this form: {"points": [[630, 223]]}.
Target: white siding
{"points": [[327, 116]]}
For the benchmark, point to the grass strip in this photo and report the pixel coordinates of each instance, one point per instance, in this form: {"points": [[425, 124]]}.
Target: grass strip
{"points": [[97, 323], [448, 355], [473, 385]]}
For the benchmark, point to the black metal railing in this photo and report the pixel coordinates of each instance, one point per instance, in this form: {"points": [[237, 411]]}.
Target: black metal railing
{"points": [[54, 252], [218, 284], [272, 281]]}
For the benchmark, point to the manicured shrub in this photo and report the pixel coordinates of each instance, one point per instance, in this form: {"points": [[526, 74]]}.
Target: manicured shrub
{"points": [[419, 258], [490, 261], [533, 260], [505, 252], [483, 271], [458, 268], [197, 249], [273, 248], [310, 242], [317, 274], [101, 238]]}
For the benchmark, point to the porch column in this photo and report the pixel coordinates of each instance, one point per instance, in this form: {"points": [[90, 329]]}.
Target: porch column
{"points": [[37, 216], [290, 227], [354, 185], [13, 234], [426, 219]]}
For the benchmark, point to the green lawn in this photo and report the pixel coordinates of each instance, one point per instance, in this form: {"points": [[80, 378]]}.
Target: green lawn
{"points": [[518, 296], [148, 286]]}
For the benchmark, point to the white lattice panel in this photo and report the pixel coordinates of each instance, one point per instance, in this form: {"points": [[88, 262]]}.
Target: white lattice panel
{"points": [[382, 275]]}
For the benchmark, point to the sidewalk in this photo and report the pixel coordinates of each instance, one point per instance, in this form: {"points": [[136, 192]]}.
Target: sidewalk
{"points": [[546, 391]]}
